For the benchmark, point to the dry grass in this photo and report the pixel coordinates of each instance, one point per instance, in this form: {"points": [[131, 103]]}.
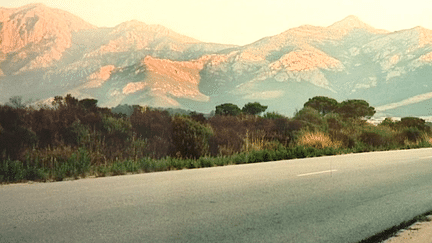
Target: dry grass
{"points": [[317, 140], [49, 157], [254, 141]]}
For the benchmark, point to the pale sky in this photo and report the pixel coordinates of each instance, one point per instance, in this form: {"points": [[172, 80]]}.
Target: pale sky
{"points": [[243, 21]]}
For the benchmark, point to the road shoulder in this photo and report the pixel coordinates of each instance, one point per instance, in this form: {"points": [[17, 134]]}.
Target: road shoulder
{"points": [[419, 232]]}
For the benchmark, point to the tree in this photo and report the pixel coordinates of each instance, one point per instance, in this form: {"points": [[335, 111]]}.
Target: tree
{"points": [[16, 102], [228, 109], [58, 102], [68, 101], [199, 117], [355, 109], [71, 101], [254, 108], [322, 104], [88, 104], [273, 115]]}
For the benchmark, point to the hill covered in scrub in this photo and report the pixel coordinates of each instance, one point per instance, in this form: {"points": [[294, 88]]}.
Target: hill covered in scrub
{"points": [[74, 137], [45, 52]]}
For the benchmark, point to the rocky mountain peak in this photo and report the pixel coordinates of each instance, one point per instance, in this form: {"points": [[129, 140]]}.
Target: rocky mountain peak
{"points": [[131, 25], [350, 22], [32, 6], [353, 22], [425, 36], [37, 30]]}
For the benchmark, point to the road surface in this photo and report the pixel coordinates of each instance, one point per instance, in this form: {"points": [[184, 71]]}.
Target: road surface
{"points": [[334, 199]]}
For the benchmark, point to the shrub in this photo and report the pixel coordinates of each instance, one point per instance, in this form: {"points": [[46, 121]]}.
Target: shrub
{"points": [[155, 128], [310, 118], [377, 137], [299, 152], [411, 134], [346, 139], [273, 115], [418, 123], [388, 122], [206, 162], [199, 117], [11, 170], [190, 137], [228, 135], [334, 121]]}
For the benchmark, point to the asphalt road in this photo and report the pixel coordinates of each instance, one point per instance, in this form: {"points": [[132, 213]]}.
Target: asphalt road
{"points": [[329, 199]]}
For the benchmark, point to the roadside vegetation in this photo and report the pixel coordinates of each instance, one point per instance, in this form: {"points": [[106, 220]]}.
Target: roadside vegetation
{"points": [[76, 138]]}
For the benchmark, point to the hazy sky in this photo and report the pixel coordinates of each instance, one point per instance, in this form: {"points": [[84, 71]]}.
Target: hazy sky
{"points": [[243, 21]]}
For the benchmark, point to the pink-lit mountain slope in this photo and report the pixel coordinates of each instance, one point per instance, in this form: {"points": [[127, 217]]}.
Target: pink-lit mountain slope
{"points": [[136, 63], [35, 36], [47, 52]]}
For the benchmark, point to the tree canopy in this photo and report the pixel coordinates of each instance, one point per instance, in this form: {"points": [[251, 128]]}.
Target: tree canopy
{"points": [[228, 109], [355, 109], [254, 108], [322, 104]]}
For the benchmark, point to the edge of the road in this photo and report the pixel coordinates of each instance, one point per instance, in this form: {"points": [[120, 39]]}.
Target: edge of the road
{"points": [[422, 223]]}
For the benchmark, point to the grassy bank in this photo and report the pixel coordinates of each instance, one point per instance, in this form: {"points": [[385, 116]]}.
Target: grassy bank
{"points": [[79, 164]]}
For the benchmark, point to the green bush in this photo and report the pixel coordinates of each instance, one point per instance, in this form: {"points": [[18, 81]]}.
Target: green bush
{"points": [[77, 165], [414, 122], [206, 162], [377, 137], [11, 170], [311, 118], [273, 115]]}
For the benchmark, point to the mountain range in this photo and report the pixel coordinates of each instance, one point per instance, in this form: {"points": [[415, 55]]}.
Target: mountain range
{"points": [[45, 52]]}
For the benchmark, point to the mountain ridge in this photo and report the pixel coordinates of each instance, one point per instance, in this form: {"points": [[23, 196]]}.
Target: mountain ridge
{"points": [[152, 65]]}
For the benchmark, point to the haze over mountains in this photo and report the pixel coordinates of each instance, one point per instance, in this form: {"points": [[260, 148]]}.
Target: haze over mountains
{"points": [[46, 52]]}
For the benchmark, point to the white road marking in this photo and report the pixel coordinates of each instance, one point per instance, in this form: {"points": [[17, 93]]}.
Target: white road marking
{"points": [[428, 157], [316, 173]]}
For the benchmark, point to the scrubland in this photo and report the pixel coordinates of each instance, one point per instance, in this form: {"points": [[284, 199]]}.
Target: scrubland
{"points": [[76, 138]]}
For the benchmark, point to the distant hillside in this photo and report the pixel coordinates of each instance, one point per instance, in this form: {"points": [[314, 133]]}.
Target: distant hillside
{"points": [[46, 52]]}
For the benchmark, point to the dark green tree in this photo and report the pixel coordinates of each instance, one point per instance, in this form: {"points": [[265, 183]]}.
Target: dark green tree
{"points": [[254, 108], [228, 109], [322, 104], [355, 109]]}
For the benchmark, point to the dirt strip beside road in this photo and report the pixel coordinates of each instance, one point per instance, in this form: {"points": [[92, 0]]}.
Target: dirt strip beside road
{"points": [[420, 232]]}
